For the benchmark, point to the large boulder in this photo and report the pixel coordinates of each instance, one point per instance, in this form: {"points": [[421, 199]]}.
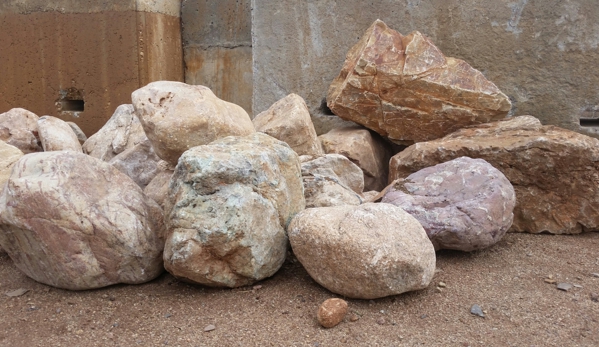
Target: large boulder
{"points": [[75, 222], [363, 252], [289, 121], [178, 116], [463, 204], [8, 157], [332, 180], [139, 162], [122, 131], [403, 87], [555, 172], [366, 150], [228, 205], [56, 135], [18, 127]]}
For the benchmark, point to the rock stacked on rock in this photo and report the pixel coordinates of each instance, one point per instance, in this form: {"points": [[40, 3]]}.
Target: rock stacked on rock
{"points": [[18, 127], [8, 157], [463, 204], [289, 121], [56, 135], [403, 87], [228, 205], [364, 252], [554, 171], [177, 116], [139, 162], [75, 222]]}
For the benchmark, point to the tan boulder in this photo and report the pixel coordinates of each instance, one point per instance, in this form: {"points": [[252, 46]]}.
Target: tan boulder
{"points": [[139, 162], [18, 127], [56, 135], [8, 157], [554, 171], [178, 116], [363, 252], [122, 131], [366, 150], [404, 88], [75, 222], [289, 121]]}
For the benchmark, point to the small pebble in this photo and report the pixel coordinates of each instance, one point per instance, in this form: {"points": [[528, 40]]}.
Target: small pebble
{"points": [[168, 315], [477, 310], [209, 327], [442, 284], [354, 317], [577, 285], [564, 286], [595, 297], [550, 281], [380, 321], [594, 274], [331, 312]]}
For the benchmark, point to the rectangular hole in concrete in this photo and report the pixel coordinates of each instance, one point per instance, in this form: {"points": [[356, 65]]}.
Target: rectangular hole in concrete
{"points": [[72, 105]]}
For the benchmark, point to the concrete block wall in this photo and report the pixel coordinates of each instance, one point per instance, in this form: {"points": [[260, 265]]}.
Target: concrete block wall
{"points": [[80, 59]]}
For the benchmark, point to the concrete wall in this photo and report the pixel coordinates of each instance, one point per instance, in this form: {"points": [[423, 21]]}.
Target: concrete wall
{"points": [[217, 45], [59, 55], [542, 53]]}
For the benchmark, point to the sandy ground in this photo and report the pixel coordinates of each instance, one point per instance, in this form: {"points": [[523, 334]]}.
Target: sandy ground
{"points": [[509, 282]]}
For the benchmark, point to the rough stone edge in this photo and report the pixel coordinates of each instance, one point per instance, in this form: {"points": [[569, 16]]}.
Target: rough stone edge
{"points": [[168, 7]]}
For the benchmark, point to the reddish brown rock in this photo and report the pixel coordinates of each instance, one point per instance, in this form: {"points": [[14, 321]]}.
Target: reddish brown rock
{"points": [[369, 152], [157, 189], [463, 204], [56, 135], [331, 312], [75, 222], [139, 162], [555, 172], [18, 127], [289, 120], [403, 87]]}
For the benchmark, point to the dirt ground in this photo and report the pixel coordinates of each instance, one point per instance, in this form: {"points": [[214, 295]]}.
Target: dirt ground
{"points": [[509, 282]]}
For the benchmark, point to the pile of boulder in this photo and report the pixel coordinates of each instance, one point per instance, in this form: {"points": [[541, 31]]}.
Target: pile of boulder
{"points": [[184, 181]]}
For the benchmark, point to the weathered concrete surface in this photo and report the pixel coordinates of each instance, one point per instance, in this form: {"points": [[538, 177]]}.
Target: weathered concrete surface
{"points": [[217, 46], [94, 53], [539, 53]]}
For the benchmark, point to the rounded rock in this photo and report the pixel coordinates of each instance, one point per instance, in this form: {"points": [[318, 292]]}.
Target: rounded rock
{"points": [[332, 312]]}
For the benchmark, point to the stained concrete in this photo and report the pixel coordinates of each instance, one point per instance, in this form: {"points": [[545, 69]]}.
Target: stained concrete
{"points": [[541, 53], [217, 45], [58, 56]]}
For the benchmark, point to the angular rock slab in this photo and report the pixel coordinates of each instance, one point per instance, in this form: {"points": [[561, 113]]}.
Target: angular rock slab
{"points": [[554, 172], [332, 180], [122, 131], [363, 252], [289, 120], [178, 116], [404, 88], [369, 152], [18, 127], [463, 204], [157, 189], [75, 222], [56, 135], [227, 209], [139, 162]]}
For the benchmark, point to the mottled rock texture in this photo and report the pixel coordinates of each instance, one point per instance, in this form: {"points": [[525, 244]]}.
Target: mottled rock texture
{"points": [[8, 157], [332, 180], [366, 150], [404, 88], [75, 222], [463, 204], [139, 162], [177, 116], [228, 205], [289, 121], [56, 135], [331, 312], [122, 131], [157, 189], [554, 171], [18, 127], [363, 252]]}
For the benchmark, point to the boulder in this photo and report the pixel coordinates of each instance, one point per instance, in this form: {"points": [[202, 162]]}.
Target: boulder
{"points": [[554, 172], [8, 157], [56, 135], [228, 205], [178, 116], [332, 180], [157, 189], [78, 132], [289, 121], [364, 149], [122, 131], [404, 88], [75, 222], [463, 204], [363, 252], [18, 127], [139, 162]]}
